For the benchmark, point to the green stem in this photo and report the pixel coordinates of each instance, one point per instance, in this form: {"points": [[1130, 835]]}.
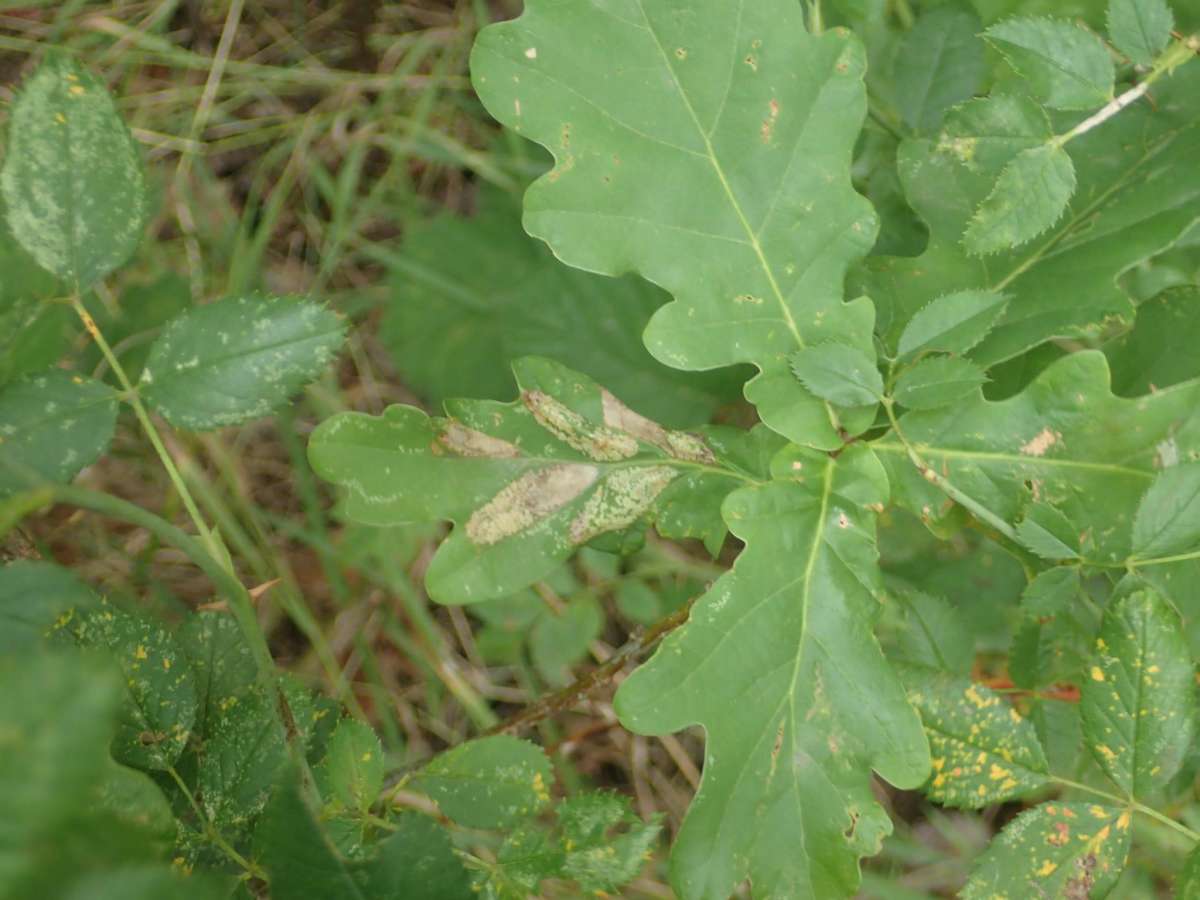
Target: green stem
{"points": [[143, 417], [1131, 804]]}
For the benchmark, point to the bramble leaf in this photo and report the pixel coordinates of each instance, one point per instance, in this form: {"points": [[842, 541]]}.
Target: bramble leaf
{"points": [[1030, 196], [72, 180], [755, 121], [244, 753], [1141, 29], [1059, 850], [953, 323], [491, 782], [160, 705], [1139, 700], [33, 596], [938, 381], [527, 483], [351, 775], [52, 425], [838, 373], [222, 666], [417, 863], [1066, 66], [778, 662], [1137, 195], [237, 359], [983, 751], [1048, 533]]}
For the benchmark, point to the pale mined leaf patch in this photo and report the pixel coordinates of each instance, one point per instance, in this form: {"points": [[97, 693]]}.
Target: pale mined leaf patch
{"points": [[598, 442], [529, 500], [620, 501]]}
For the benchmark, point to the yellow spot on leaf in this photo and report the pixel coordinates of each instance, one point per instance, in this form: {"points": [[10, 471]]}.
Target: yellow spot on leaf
{"points": [[1047, 868], [1097, 675], [1123, 821], [140, 653]]}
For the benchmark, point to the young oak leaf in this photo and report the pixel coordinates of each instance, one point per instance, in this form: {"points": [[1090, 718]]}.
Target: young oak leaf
{"points": [[707, 149], [527, 482], [779, 663], [1136, 195]]}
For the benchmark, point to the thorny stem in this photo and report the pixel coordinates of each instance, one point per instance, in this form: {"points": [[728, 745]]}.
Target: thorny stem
{"points": [[1130, 803], [143, 417]]}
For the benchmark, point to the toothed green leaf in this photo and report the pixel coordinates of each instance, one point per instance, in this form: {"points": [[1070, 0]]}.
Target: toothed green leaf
{"points": [[938, 381], [1066, 66], [1141, 29], [839, 374], [1030, 196]]}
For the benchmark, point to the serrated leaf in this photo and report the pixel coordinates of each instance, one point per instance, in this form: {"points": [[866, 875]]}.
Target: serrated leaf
{"points": [[932, 633], [1054, 640], [838, 373], [940, 64], [491, 782], [527, 482], [237, 359], [243, 755], [222, 667], [1066, 66], [1058, 850], [1137, 195], [779, 664], [1168, 517], [52, 425], [983, 751], [605, 843], [1031, 194], [72, 180], [953, 323], [756, 121], [1046, 531], [1157, 352], [1141, 29], [160, 704], [938, 381], [351, 775], [1139, 701], [33, 597], [472, 295], [1065, 440]]}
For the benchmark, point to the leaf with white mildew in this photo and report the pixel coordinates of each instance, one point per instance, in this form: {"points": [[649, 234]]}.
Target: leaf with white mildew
{"points": [[237, 359], [527, 482], [72, 182]]}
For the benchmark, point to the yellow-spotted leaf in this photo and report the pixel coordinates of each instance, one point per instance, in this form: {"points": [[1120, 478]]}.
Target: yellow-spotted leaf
{"points": [[1139, 697], [983, 751], [1058, 851]]}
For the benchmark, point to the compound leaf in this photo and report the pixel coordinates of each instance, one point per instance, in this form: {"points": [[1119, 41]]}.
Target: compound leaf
{"points": [[51, 426], [244, 752], [1141, 29], [1030, 196], [527, 482], [983, 751], [755, 120], [952, 324], [351, 775], [72, 180], [1057, 850], [1137, 195], [237, 359], [1066, 66], [1139, 700], [778, 662], [491, 782]]}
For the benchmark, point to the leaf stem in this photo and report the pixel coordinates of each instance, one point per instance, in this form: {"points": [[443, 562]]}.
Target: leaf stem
{"points": [[210, 828], [1129, 802], [143, 417]]}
